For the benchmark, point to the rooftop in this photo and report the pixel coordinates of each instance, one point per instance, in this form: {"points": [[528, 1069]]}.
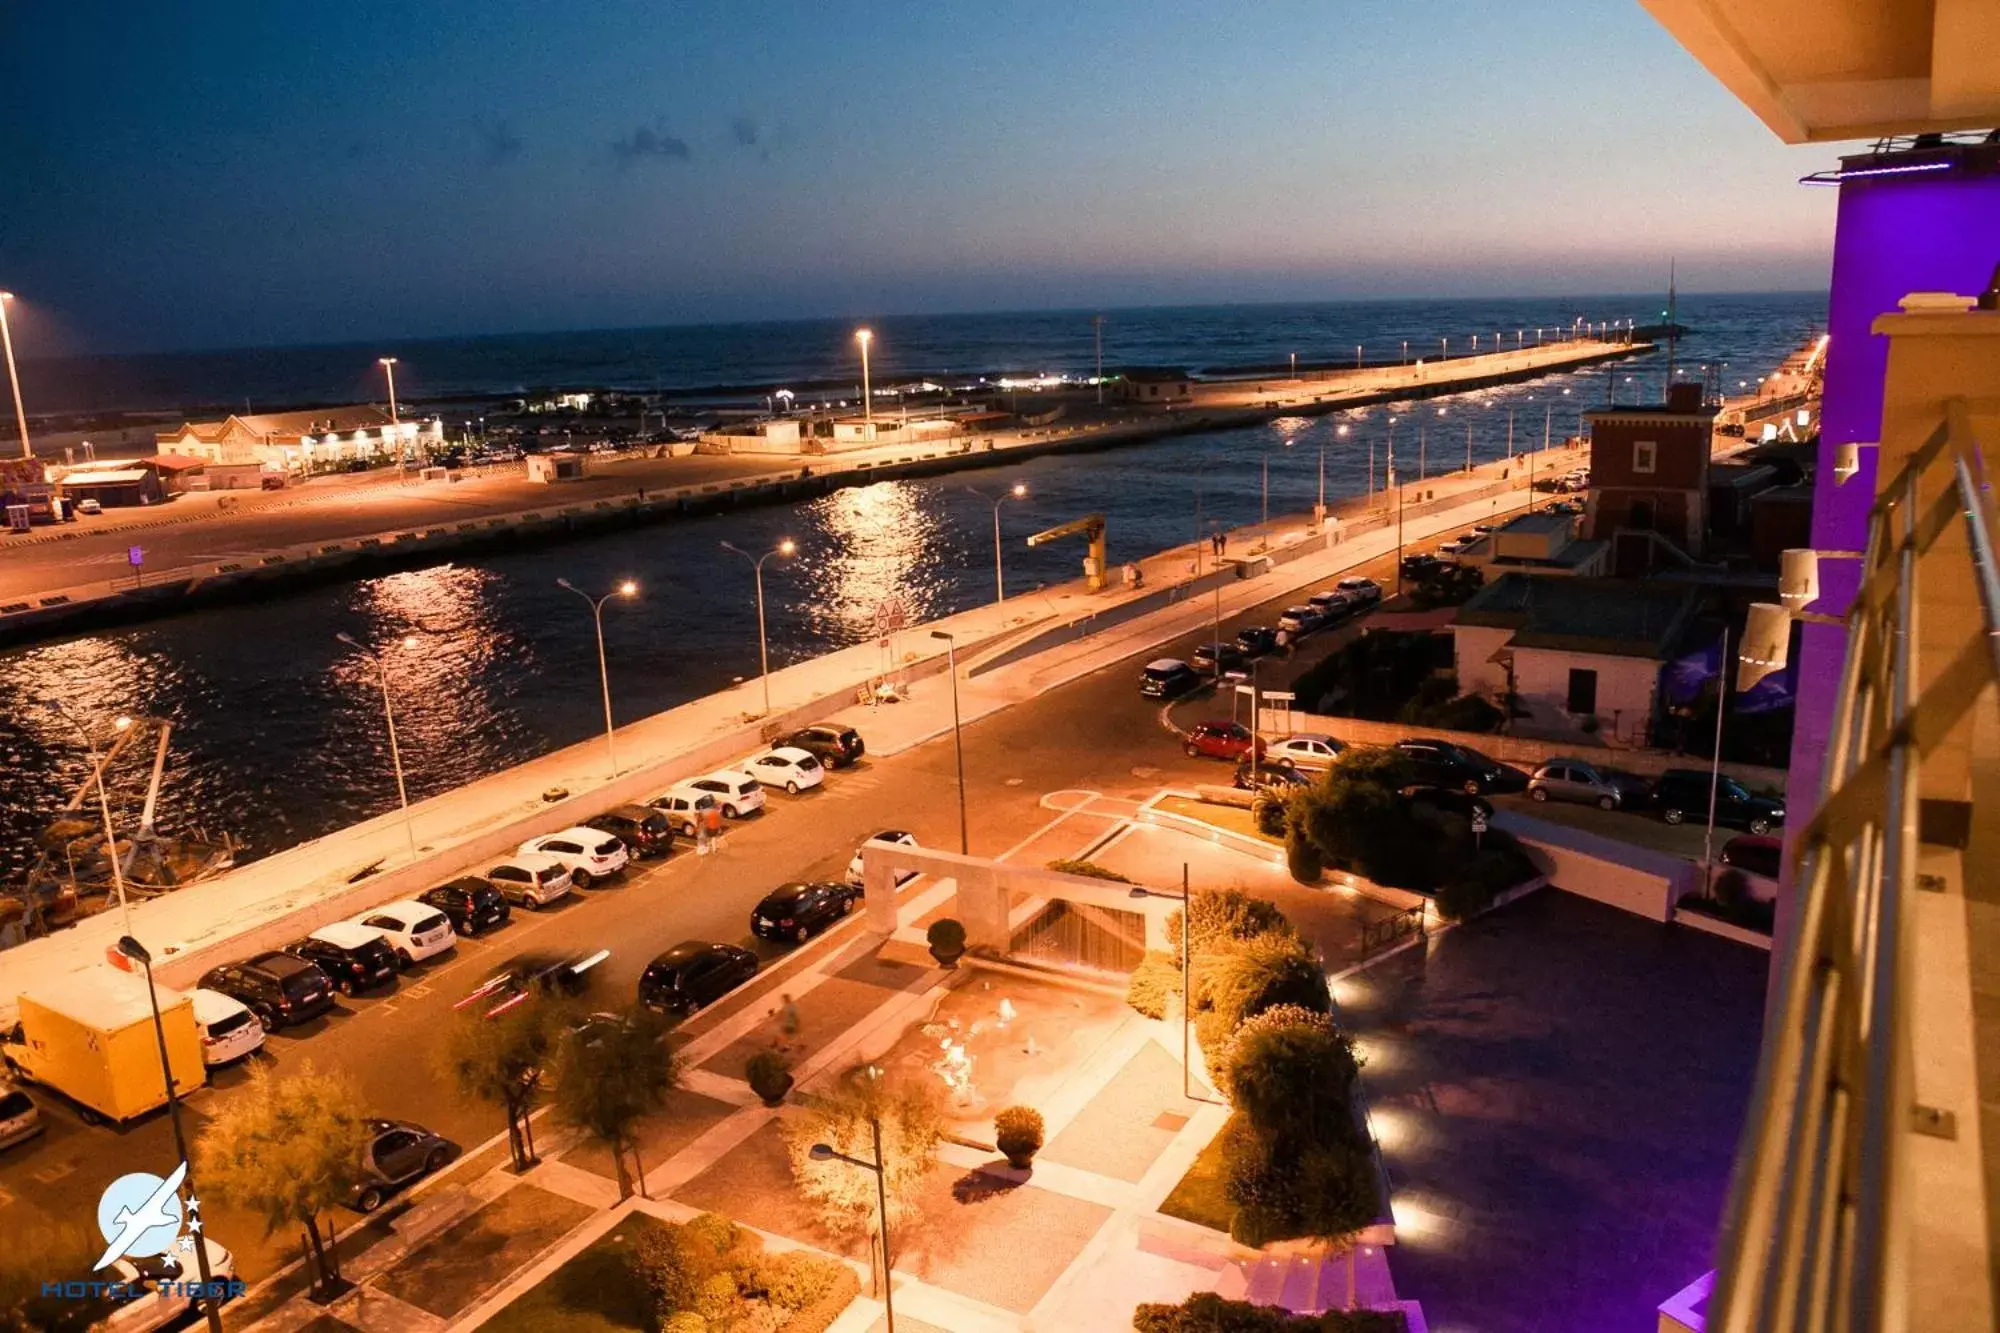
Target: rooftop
{"points": [[1540, 523], [1613, 617]]}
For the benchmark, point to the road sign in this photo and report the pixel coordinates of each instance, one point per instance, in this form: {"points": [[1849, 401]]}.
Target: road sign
{"points": [[1478, 821], [135, 556]]}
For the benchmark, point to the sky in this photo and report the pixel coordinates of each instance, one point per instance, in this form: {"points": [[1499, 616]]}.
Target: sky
{"points": [[228, 173]]}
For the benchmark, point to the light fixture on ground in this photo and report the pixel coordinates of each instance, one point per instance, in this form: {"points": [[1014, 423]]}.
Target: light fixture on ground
{"points": [[13, 376], [824, 1152], [118, 724], [785, 547], [1139, 892], [625, 589], [389, 717], [1018, 491], [957, 737]]}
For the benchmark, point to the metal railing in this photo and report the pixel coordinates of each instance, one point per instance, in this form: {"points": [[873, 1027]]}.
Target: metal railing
{"points": [[1817, 1232]]}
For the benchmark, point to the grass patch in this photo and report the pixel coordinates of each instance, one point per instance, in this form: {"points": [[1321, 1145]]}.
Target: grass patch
{"points": [[450, 1272], [1234, 819], [595, 1292], [1199, 1198]]}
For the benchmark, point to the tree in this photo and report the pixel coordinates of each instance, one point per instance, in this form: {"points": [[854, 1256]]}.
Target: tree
{"points": [[499, 1061], [1227, 914], [288, 1149], [611, 1073], [844, 1195], [37, 1254], [1291, 1071], [1246, 977]]}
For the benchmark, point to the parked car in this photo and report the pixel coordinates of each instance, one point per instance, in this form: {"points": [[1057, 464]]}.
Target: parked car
{"points": [[1297, 620], [694, 974], [897, 836], [591, 855], [644, 830], [1450, 799], [685, 807], [1755, 853], [1220, 739], [1268, 777], [1332, 604], [1442, 764], [835, 746], [227, 1028], [89, 505], [1417, 565], [1214, 659], [353, 957], [736, 792], [787, 766], [470, 902], [1256, 640], [415, 930], [521, 978], [20, 1118], [156, 1297], [277, 987], [1564, 779], [1166, 677], [1366, 591], [1308, 750], [797, 911], [398, 1154], [1455, 545], [1681, 794], [532, 881]]}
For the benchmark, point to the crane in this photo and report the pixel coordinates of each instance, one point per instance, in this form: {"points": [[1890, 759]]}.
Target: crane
{"points": [[1091, 528]]}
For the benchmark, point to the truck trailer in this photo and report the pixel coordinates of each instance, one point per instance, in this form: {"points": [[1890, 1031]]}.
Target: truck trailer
{"points": [[90, 1037]]}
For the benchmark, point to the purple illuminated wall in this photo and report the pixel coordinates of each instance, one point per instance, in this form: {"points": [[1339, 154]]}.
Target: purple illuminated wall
{"points": [[1929, 232]]}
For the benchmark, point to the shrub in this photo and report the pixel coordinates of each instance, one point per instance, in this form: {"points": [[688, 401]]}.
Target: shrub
{"points": [[843, 1287], [1291, 1071], [1228, 914], [1496, 867], [1267, 810], [1249, 977], [1302, 858], [946, 936], [684, 1321], [1017, 1132], [1206, 1312], [1154, 984], [769, 1075], [1284, 1187], [1090, 869], [1468, 712]]}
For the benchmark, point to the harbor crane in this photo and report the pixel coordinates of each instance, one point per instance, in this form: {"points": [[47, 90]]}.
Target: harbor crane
{"points": [[1091, 528]]}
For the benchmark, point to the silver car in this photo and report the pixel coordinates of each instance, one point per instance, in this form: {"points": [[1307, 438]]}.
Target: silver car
{"points": [[1574, 780], [20, 1118]]}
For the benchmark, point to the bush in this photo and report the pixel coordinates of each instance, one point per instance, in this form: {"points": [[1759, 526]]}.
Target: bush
{"points": [[1267, 810], [1285, 1187], [842, 1287], [708, 1274], [1249, 977], [1467, 712], [946, 936], [685, 1321], [768, 1074], [1499, 865], [1302, 858], [1154, 984], [1090, 869], [1228, 914], [1017, 1132], [1291, 1071], [1206, 1312]]}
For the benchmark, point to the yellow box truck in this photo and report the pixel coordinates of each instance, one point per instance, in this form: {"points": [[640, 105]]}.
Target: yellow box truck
{"points": [[90, 1037]]}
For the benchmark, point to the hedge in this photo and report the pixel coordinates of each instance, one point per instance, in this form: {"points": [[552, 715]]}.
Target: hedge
{"points": [[1154, 984], [1206, 1312], [1246, 977]]}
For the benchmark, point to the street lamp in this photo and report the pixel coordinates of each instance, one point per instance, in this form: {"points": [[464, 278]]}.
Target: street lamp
{"points": [[864, 337], [388, 364], [1187, 962], [118, 724], [785, 548], [1339, 433], [625, 589], [389, 716], [822, 1152], [137, 952], [1018, 491], [957, 738], [13, 377]]}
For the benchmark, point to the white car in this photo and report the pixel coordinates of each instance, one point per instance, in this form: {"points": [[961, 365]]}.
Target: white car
{"points": [[89, 505], [896, 836], [20, 1118], [684, 807], [157, 1308], [531, 881], [1306, 750], [787, 766], [590, 855], [229, 1031], [415, 930], [736, 792], [1366, 591]]}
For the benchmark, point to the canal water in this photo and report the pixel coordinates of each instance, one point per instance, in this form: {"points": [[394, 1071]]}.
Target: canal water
{"points": [[278, 732]]}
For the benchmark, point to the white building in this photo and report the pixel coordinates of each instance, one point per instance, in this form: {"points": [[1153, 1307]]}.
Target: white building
{"points": [[303, 441]]}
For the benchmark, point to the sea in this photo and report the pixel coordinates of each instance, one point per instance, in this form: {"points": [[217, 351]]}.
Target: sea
{"points": [[277, 726]]}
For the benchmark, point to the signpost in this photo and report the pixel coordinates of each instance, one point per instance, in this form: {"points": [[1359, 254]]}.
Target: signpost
{"points": [[1478, 827]]}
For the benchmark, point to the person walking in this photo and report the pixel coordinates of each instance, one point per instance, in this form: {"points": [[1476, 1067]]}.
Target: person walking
{"points": [[712, 821], [789, 1022]]}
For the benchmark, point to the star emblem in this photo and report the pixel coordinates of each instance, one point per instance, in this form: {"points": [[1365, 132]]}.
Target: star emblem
{"points": [[194, 1228], [185, 1244], [193, 1205]]}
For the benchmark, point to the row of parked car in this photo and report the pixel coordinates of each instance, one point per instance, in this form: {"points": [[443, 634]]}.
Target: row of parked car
{"points": [[1170, 677]]}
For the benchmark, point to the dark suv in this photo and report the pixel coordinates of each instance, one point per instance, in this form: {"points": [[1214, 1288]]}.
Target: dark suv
{"points": [[353, 957], [833, 745], [1442, 764], [277, 987], [693, 974], [1681, 794], [795, 911], [470, 902], [640, 827]]}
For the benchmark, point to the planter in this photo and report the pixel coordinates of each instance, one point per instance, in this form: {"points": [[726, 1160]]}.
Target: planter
{"points": [[947, 942], [947, 958], [768, 1077], [772, 1091]]}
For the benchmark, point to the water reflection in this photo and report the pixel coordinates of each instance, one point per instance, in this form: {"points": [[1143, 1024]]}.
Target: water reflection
{"points": [[877, 560]]}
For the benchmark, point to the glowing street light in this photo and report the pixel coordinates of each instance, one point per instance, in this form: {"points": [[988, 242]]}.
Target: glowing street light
{"points": [[957, 738], [13, 377], [625, 589], [784, 548], [389, 717], [1018, 491], [118, 725], [1339, 432], [864, 337], [388, 364], [821, 1152]]}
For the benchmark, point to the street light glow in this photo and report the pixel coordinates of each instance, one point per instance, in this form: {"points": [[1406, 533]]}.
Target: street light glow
{"points": [[863, 336], [787, 546], [408, 641], [1020, 489], [628, 588], [121, 722]]}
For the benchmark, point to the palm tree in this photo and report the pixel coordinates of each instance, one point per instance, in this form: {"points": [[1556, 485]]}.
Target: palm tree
{"points": [[499, 1061], [612, 1072]]}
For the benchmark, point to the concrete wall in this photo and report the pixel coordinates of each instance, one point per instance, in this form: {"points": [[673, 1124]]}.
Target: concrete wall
{"points": [[1472, 649], [1643, 882], [1625, 687]]}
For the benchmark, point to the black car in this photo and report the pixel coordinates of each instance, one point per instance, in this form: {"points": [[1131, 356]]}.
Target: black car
{"points": [[1217, 658], [1442, 764], [353, 957], [833, 745], [520, 979], [276, 986], [1452, 799], [1167, 677], [1681, 794], [470, 902], [1420, 564], [640, 827], [693, 974], [1270, 777], [397, 1154], [796, 911], [1257, 640]]}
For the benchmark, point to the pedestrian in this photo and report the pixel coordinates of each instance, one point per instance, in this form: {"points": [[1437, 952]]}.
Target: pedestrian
{"points": [[712, 818], [788, 1021], [1222, 543], [700, 835]]}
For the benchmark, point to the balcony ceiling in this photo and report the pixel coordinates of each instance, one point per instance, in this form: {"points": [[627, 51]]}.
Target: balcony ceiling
{"points": [[1819, 70]]}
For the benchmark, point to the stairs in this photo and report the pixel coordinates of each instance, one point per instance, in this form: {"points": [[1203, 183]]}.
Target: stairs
{"points": [[1312, 1282]]}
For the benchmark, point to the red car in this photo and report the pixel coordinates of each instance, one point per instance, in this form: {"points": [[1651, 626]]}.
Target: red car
{"points": [[1220, 740]]}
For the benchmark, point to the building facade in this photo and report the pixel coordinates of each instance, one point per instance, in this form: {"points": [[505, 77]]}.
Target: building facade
{"points": [[315, 440], [1649, 479]]}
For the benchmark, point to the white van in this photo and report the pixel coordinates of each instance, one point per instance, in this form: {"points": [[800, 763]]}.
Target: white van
{"points": [[739, 794], [228, 1030]]}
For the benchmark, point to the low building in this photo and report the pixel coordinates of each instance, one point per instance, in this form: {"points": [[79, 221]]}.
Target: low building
{"points": [[1731, 489], [1576, 655], [179, 473], [1649, 474], [112, 487], [325, 437], [1539, 543], [1156, 386]]}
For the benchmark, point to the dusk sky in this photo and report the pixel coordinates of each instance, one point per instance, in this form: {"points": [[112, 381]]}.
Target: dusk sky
{"points": [[226, 174]]}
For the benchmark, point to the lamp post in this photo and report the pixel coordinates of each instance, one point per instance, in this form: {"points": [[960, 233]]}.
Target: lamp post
{"points": [[1097, 335], [821, 1152], [1319, 510], [957, 737], [1715, 764], [1018, 491], [13, 376], [625, 589], [784, 548], [388, 364], [864, 337], [1187, 963], [118, 724], [389, 717], [137, 952]]}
